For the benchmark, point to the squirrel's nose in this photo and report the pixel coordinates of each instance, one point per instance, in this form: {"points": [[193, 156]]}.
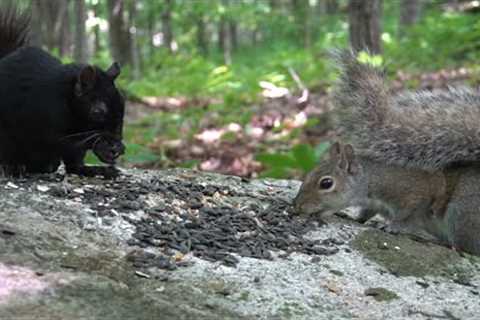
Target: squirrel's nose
{"points": [[297, 205]]}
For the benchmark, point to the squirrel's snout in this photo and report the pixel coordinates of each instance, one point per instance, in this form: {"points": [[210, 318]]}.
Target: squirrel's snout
{"points": [[299, 205]]}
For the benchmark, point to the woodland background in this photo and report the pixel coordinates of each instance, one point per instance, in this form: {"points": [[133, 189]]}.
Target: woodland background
{"points": [[241, 86]]}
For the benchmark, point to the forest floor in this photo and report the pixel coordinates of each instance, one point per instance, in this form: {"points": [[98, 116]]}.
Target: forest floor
{"points": [[210, 135]]}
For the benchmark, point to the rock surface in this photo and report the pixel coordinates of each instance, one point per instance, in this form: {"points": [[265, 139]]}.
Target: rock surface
{"points": [[181, 244]]}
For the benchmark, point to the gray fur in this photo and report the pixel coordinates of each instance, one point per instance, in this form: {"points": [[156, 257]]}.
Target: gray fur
{"points": [[423, 129]]}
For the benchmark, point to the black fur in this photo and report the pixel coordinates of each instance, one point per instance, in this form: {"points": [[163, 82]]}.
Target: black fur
{"points": [[51, 112]]}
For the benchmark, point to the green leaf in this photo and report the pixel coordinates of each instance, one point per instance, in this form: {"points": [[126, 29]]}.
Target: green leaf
{"points": [[276, 160], [136, 153], [276, 173], [305, 157]]}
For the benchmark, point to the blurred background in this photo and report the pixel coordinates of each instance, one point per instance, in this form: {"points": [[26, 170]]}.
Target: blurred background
{"points": [[242, 86]]}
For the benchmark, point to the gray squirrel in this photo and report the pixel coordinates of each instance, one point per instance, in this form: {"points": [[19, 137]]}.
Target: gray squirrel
{"points": [[413, 158]]}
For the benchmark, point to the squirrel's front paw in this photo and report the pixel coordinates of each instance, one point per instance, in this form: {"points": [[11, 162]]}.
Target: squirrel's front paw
{"points": [[109, 172]]}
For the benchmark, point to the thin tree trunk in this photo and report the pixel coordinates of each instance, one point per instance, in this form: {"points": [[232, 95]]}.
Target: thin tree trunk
{"points": [[273, 4], [409, 12], [331, 6], [151, 19], [118, 32], [96, 31], [65, 32], [255, 36], [224, 35], [227, 47], [53, 13], [221, 34], [62, 28], [50, 16], [38, 18], [133, 36], [167, 24], [202, 41], [301, 10], [307, 26], [364, 25], [233, 30], [80, 53]]}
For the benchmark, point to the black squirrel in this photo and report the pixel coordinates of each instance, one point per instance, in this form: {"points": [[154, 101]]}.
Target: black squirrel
{"points": [[413, 158], [52, 112]]}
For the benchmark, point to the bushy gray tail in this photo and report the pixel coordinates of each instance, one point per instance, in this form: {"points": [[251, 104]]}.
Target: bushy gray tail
{"points": [[423, 129], [14, 28]]}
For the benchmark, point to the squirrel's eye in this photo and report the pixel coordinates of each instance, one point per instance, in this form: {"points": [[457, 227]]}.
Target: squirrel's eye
{"points": [[326, 183]]}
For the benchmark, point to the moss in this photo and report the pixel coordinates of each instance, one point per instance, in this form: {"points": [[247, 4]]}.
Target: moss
{"points": [[105, 264], [291, 310], [100, 298], [381, 294], [403, 256], [336, 272], [244, 296]]}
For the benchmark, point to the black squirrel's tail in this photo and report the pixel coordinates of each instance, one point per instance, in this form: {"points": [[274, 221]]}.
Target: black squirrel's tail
{"points": [[14, 28], [422, 129]]}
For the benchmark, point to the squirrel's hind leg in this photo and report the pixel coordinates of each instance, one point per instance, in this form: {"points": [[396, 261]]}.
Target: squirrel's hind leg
{"points": [[413, 225], [463, 225]]}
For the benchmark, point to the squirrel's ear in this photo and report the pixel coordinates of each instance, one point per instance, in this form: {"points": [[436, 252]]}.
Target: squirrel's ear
{"points": [[340, 156], [86, 80], [351, 162], [335, 152], [113, 71]]}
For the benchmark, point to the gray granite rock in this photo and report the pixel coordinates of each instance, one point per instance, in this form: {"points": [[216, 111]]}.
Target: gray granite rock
{"points": [[72, 249]]}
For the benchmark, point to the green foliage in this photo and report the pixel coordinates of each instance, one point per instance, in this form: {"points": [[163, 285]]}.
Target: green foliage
{"points": [[139, 154], [374, 60], [302, 157], [439, 40], [135, 154], [195, 76]]}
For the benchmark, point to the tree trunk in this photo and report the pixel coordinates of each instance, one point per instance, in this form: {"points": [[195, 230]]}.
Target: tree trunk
{"points": [[227, 47], [132, 9], [49, 12], [202, 41], [96, 31], [118, 32], [38, 17], [364, 25], [53, 13], [327, 7], [64, 31], [151, 29], [409, 12], [233, 30], [80, 53], [331, 6], [167, 24], [221, 34], [274, 4], [301, 10], [224, 40], [255, 35]]}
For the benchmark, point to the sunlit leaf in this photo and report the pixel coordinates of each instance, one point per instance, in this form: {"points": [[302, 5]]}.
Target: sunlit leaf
{"points": [[305, 156]]}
